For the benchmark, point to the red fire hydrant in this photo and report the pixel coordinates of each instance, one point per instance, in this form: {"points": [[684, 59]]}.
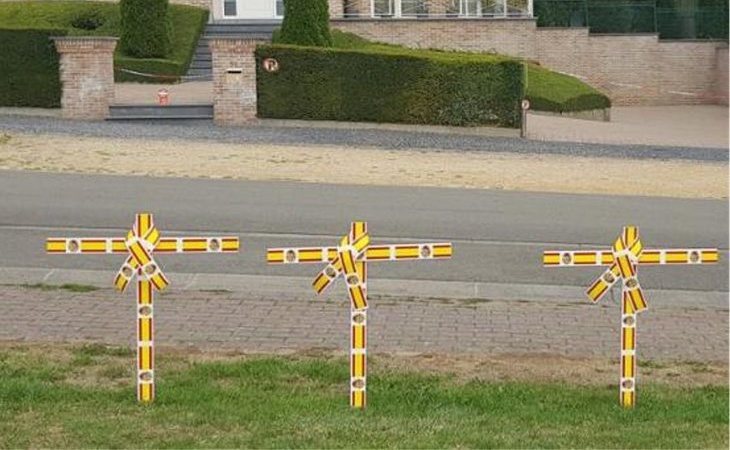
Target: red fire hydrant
{"points": [[163, 97]]}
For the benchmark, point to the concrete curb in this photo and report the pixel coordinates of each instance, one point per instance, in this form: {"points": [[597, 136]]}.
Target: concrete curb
{"points": [[298, 287]]}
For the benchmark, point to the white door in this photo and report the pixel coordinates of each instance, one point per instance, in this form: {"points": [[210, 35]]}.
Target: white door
{"points": [[249, 9]]}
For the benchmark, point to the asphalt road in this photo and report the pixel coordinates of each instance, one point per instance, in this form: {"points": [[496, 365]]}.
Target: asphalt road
{"points": [[498, 236]]}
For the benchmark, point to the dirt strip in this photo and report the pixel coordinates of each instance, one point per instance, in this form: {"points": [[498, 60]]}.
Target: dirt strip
{"points": [[345, 165]]}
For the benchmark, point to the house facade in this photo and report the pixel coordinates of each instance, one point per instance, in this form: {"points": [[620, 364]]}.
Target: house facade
{"points": [[222, 10]]}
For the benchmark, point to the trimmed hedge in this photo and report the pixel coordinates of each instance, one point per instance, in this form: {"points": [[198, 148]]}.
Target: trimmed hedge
{"points": [[390, 85], [306, 22], [551, 91], [29, 68], [146, 28], [188, 23]]}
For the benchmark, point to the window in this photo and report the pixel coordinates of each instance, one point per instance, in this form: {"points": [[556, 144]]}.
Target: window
{"points": [[279, 8], [383, 8], [410, 8], [229, 8]]}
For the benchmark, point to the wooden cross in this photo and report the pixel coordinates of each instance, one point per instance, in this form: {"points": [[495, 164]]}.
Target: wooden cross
{"points": [[350, 260], [141, 243], [623, 260]]}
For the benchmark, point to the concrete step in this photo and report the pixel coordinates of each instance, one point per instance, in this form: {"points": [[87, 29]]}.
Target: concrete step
{"points": [[202, 63], [155, 112]]}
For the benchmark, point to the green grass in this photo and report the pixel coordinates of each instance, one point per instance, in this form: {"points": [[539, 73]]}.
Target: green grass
{"points": [[83, 397], [187, 23], [546, 90]]}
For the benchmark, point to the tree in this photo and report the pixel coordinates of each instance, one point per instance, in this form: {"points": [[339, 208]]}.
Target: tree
{"points": [[306, 22], [146, 28]]}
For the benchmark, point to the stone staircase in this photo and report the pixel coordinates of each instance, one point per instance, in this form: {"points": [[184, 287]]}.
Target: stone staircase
{"points": [[201, 68]]}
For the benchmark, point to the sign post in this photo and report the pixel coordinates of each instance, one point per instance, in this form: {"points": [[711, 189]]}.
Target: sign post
{"points": [[349, 260], [623, 260], [141, 243]]}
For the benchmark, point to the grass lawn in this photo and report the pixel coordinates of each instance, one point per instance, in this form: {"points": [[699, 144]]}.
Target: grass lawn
{"points": [[187, 24], [83, 397], [546, 90]]}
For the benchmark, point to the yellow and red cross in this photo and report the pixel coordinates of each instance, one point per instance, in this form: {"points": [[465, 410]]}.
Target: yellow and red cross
{"points": [[623, 260], [140, 244], [349, 260]]}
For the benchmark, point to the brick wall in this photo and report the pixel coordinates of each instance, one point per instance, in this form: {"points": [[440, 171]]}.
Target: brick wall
{"points": [[508, 36], [721, 75], [234, 94], [632, 69], [87, 76]]}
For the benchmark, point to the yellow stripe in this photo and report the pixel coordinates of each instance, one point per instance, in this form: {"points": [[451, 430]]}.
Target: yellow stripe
{"points": [[159, 281], [275, 256], [675, 257], [230, 244], [406, 252], [145, 329], [310, 255], [194, 244], [358, 336], [606, 258], [320, 282], [710, 256], [139, 253], [119, 246], [360, 228], [625, 267], [358, 298], [627, 399], [145, 222], [628, 341], [637, 300], [551, 259], [145, 292], [650, 257], [166, 245], [56, 245], [145, 393], [585, 258], [120, 282], [598, 288], [93, 246], [628, 366], [358, 365], [153, 236], [145, 360], [442, 251], [348, 263], [378, 253], [358, 399]]}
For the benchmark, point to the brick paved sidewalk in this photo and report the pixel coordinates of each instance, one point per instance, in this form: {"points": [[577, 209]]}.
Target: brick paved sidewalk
{"points": [[233, 320]]}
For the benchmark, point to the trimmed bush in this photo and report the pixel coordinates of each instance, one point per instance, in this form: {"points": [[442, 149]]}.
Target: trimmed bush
{"points": [[306, 22], [555, 92], [146, 28], [79, 18], [390, 85], [29, 68]]}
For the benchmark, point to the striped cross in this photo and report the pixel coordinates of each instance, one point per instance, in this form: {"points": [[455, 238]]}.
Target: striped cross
{"points": [[140, 244], [349, 260], [623, 260]]}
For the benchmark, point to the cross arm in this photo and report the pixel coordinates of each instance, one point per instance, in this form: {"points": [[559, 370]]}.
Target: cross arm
{"points": [[674, 256], [305, 255], [74, 245]]}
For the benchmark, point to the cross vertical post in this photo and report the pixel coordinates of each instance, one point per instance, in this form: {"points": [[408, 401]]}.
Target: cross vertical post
{"points": [[350, 260], [140, 245]]}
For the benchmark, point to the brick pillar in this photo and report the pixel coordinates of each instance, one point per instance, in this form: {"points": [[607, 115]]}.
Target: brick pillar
{"points": [[337, 8], [234, 80], [437, 8], [87, 76]]}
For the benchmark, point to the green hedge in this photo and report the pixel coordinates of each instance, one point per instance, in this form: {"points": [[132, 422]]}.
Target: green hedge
{"points": [[555, 92], [72, 16], [306, 22], [390, 85], [146, 28], [29, 68]]}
